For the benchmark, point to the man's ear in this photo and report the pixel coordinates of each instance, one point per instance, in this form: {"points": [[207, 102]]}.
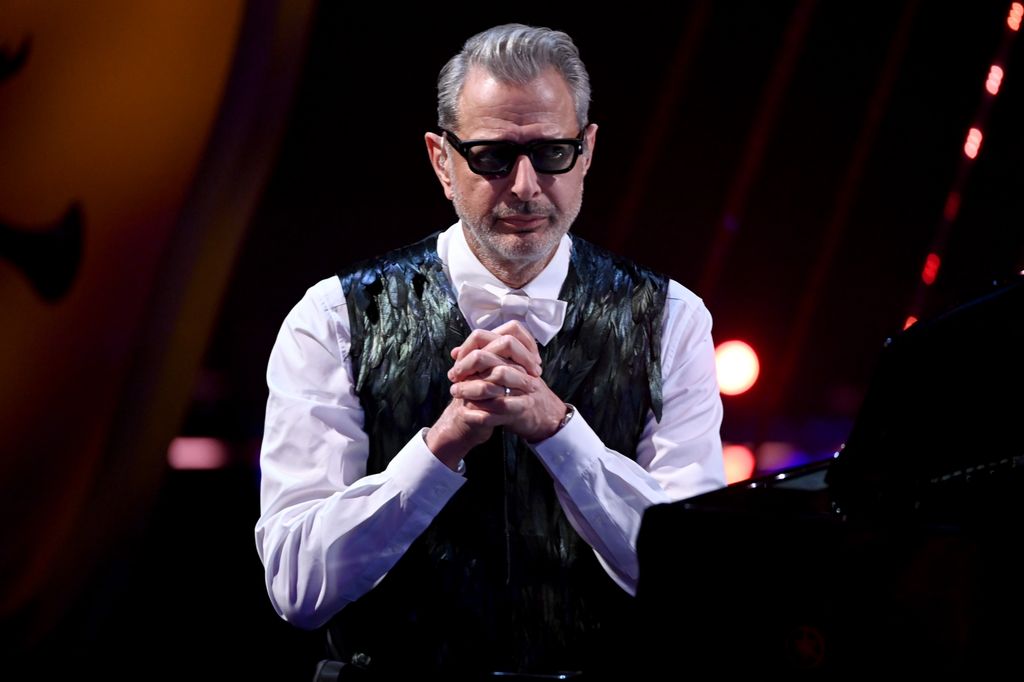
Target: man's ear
{"points": [[590, 139], [439, 161]]}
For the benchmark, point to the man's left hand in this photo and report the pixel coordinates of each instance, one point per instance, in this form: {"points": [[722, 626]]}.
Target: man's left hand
{"points": [[488, 362]]}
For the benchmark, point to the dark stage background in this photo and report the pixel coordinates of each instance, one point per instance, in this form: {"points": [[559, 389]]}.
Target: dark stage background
{"points": [[791, 162], [765, 116]]}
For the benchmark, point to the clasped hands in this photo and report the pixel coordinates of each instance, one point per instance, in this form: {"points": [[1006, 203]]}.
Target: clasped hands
{"points": [[486, 364]]}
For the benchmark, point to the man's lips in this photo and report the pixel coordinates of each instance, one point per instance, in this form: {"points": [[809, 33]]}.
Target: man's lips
{"points": [[525, 222]]}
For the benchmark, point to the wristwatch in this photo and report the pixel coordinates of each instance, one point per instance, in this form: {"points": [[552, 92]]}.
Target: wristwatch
{"points": [[569, 412]]}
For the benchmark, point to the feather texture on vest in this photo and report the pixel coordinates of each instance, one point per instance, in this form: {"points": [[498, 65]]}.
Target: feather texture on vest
{"points": [[500, 579]]}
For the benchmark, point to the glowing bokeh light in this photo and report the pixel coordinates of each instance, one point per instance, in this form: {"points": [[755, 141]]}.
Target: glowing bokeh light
{"points": [[779, 455], [739, 463], [1016, 14], [197, 453], [995, 77], [931, 268], [973, 143], [911, 321], [738, 367]]}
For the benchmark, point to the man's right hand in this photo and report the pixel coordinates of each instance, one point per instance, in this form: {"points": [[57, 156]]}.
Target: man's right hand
{"points": [[457, 431]]}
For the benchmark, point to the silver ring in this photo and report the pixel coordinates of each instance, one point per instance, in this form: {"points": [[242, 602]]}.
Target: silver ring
{"points": [[508, 391]]}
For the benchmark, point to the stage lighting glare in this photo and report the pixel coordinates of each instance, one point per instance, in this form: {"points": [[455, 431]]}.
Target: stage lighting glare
{"points": [[739, 463], [995, 78], [973, 143], [197, 453], [738, 367], [931, 268]]}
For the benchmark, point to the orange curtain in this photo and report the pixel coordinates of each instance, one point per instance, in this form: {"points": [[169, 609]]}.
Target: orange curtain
{"points": [[134, 141]]}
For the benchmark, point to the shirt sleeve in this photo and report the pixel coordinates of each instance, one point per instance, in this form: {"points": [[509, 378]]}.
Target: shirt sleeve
{"points": [[327, 532], [604, 494]]}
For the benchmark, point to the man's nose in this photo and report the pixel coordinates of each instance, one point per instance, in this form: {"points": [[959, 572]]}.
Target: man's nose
{"points": [[525, 185]]}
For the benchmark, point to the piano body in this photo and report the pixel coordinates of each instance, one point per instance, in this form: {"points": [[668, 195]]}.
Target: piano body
{"points": [[900, 554]]}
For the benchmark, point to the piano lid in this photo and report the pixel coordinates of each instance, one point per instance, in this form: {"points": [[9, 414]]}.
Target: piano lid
{"points": [[946, 403]]}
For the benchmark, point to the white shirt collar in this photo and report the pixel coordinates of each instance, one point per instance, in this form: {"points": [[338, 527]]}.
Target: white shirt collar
{"points": [[463, 266]]}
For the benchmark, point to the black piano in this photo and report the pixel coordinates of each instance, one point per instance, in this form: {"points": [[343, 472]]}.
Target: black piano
{"points": [[900, 554]]}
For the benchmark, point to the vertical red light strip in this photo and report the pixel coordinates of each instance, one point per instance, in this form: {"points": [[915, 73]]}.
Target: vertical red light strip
{"points": [[972, 147], [757, 142], [800, 330]]}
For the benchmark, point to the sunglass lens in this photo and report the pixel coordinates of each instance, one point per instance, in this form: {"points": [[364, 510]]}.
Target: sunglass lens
{"points": [[491, 159], [552, 157]]}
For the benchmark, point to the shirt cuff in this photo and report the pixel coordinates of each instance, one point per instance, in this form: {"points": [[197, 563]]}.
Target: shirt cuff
{"points": [[561, 452], [423, 479]]}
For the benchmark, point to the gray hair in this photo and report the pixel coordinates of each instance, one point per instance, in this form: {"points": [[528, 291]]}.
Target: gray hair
{"points": [[513, 53]]}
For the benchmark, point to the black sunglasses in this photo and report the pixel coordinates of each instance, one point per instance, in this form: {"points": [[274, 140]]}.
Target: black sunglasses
{"points": [[497, 157]]}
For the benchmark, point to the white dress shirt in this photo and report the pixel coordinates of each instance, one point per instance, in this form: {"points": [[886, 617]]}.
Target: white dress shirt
{"points": [[328, 532]]}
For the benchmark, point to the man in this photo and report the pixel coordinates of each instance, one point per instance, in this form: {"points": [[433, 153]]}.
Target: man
{"points": [[462, 435]]}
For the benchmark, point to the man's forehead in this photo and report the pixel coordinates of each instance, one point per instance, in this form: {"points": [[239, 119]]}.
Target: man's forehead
{"points": [[544, 105]]}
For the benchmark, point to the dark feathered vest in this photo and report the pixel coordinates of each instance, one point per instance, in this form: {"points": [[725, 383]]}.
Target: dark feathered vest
{"points": [[500, 580]]}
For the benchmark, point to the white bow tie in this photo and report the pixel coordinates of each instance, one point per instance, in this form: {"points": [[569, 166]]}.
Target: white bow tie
{"points": [[542, 317]]}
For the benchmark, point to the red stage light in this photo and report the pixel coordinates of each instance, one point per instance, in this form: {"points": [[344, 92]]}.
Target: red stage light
{"points": [[995, 77], [931, 268], [911, 320], [1016, 14], [737, 367], [739, 463], [973, 143]]}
